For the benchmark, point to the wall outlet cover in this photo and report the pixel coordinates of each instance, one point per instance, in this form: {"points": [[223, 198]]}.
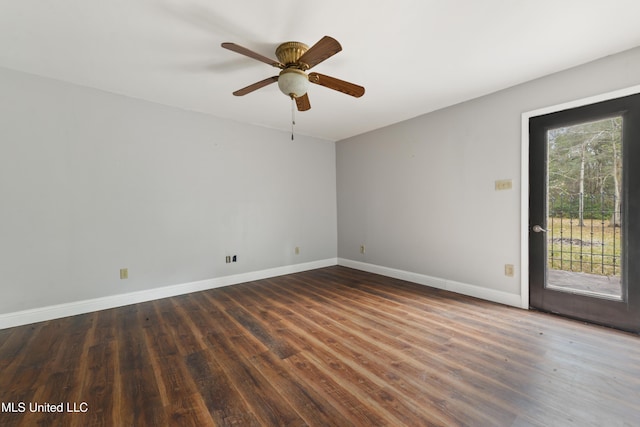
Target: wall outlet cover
{"points": [[509, 270]]}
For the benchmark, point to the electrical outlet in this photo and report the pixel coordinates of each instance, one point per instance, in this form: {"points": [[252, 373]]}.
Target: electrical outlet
{"points": [[508, 270], [124, 273], [363, 249], [227, 259]]}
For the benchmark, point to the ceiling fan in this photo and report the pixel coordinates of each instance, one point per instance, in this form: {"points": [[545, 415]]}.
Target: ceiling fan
{"points": [[294, 59]]}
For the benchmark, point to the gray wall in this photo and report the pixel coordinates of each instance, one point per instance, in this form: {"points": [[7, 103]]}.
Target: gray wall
{"points": [[420, 194], [91, 182]]}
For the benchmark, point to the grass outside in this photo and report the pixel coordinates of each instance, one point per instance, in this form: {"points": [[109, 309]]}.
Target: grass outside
{"points": [[593, 248]]}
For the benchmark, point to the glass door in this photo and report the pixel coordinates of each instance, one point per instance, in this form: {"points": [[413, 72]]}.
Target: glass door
{"points": [[584, 212]]}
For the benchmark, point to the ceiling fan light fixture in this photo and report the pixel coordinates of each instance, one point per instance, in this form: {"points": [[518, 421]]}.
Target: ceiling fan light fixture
{"points": [[295, 59], [293, 82]]}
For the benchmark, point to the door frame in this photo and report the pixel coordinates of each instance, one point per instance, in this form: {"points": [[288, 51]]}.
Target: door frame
{"points": [[524, 175]]}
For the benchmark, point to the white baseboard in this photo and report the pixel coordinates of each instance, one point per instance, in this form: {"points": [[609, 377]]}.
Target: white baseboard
{"points": [[42, 314], [436, 282]]}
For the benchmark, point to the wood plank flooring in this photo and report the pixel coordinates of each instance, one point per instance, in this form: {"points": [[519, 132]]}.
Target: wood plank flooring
{"points": [[328, 347]]}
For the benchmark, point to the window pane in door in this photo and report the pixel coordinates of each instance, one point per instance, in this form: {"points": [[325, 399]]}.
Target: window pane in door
{"points": [[584, 180]]}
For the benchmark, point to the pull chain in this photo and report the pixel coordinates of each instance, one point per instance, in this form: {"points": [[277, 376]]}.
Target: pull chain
{"points": [[293, 115]]}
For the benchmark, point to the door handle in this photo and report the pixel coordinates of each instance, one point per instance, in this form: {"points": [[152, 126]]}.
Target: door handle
{"points": [[537, 229]]}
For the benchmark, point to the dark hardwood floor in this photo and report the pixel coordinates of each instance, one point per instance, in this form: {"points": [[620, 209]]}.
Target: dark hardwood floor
{"points": [[332, 347]]}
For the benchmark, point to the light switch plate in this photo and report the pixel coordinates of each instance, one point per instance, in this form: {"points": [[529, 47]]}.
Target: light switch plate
{"points": [[504, 184]]}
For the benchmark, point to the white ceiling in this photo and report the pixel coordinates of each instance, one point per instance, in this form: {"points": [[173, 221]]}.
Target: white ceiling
{"points": [[411, 56]]}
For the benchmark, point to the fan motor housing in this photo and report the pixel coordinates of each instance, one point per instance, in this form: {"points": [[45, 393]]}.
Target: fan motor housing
{"points": [[290, 52]]}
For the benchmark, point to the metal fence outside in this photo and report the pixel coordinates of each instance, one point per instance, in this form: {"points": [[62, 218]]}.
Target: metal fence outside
{"points": [[584, 233]]}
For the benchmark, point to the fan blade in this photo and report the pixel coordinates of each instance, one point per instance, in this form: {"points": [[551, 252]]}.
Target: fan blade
{"points": [[251, 54], [324, 49], [336, 84], [255, 86], [303, 102]]}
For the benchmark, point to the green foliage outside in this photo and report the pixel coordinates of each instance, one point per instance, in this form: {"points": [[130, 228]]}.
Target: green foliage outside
{"points": [[585, 162]]}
